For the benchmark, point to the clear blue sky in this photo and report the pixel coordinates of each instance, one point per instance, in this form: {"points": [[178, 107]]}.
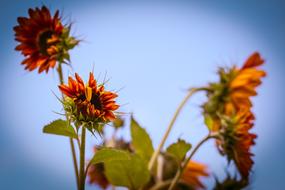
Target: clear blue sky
{"points": [[154, 50]]}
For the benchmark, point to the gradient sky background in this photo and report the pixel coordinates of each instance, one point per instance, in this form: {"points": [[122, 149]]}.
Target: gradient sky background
{"points": [[154, 50]]}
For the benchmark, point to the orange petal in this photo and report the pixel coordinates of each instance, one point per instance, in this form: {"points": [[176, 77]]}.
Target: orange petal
{"points": [[253, 61]]}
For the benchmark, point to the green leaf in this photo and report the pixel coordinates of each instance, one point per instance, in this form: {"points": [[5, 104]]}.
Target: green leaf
{"points": [[141, 141], [132, 173], [60, 127], [109, 154], [179, 149]]}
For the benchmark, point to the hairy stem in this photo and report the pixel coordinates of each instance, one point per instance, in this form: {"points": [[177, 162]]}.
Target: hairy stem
{"points": [[82, 159], [60, 74], [180, 171], [182, 104]]}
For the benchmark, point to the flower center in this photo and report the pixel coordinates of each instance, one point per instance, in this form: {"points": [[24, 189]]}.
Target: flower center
{"points": [[95, 100], [81, 97], [42, 41]]}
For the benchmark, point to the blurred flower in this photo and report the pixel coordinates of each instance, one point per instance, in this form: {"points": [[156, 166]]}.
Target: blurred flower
{"points": [[232, 93], [89, 103], [243, 85], [191, 177], [192, 173], [235, 140], [96, 175], [44, 40], [231, 183]]}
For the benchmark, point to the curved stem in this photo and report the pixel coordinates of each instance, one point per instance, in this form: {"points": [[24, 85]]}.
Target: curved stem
{"points": [[182, 104], [82, 159], [179, 172], [60, 75]]}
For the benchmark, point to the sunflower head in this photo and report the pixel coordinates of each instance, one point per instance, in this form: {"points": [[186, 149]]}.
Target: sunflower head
{"points": [[234, 89], [235, 140], [88, 104], [43, 39]]}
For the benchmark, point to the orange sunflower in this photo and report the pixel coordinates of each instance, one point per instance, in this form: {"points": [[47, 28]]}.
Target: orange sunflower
{"points": [[92, 101], [192, 174], [232, 93], [235, 140], [43, 39], [243, 85]]}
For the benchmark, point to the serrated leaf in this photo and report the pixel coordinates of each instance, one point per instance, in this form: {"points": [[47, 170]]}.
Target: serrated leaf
{"points": [[141, 141], [179, 149], [60, 127], [132, 173], [109, 154]]}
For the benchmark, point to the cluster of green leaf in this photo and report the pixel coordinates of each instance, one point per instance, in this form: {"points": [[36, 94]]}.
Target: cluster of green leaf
{"points": [[127, 168]]}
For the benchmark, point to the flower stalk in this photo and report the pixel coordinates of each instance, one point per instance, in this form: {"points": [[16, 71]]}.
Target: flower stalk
{"points": [[74, 159], [180, 171], [170, 126], [82, 159]]}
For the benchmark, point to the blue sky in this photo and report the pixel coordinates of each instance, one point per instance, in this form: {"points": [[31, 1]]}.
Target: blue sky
{"points": [[154, 50]]}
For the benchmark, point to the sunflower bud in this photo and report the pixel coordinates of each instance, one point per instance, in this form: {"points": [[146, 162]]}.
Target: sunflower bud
{"points": [[88, 105]]}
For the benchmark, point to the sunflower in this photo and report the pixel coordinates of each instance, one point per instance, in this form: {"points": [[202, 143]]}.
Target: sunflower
{"points": [[192, 173], [235, 140], [43, 39], [90, 102], [232, 93], [243, 85]]}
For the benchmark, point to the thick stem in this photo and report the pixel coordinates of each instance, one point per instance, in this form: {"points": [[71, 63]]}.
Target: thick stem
{"points": [[179, 172], [60, 75], [184, 101], [82, 159]]}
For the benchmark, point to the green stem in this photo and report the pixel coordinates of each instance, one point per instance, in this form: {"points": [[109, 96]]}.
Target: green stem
{"points": [[82, 159], [86, 170], [179, 172], [182, 104], [60, 74]]}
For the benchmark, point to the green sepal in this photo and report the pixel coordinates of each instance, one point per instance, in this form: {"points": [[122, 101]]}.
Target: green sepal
{"points": [[209, 122]]}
